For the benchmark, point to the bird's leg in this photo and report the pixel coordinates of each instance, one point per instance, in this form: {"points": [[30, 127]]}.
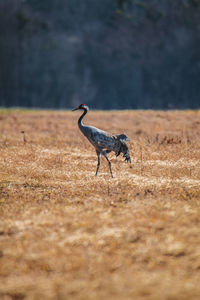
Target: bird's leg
{"points": [[109, 163], [98, 164]]}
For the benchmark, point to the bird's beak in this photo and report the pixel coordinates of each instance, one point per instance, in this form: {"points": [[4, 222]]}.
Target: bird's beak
{"points": [[75, 109]]}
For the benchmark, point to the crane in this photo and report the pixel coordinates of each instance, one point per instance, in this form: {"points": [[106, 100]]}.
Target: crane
{"points": [[102, 141]]}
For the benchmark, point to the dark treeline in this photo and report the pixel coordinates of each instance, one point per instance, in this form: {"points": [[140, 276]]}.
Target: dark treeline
{"points": [[110, 54]]}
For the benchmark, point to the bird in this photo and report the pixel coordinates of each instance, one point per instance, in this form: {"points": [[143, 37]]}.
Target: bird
{"points": [[103, 141]]}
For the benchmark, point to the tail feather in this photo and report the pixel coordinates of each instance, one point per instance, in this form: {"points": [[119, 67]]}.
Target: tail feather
{"points": [[125, 150], [123, 137]]}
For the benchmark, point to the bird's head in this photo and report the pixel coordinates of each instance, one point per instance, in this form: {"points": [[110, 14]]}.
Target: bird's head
{"points": [[81, 106]]}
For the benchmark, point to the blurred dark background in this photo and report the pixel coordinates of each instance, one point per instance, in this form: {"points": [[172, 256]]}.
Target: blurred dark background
{"points": [[110, 54]]}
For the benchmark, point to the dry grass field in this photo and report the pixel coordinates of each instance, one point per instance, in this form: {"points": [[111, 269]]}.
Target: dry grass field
{"points": [[66, 234]]}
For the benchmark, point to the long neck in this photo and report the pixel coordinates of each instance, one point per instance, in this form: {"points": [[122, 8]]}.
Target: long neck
{"points": [[80, 124]]}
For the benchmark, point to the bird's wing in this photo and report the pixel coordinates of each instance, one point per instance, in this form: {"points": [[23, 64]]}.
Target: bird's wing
{"points": [[103, 139]]}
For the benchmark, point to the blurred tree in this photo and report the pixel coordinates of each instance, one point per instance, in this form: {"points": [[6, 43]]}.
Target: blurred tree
{"points": [[110, 54]]}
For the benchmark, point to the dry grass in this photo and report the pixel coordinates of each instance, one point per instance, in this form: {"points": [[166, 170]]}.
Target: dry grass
{"points": [[66, 234]]}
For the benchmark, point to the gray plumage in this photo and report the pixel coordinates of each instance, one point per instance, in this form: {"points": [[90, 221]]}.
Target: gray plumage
{"points": [[103, 142]]}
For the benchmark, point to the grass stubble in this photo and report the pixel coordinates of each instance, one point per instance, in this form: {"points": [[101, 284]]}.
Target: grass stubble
{"points": [[66, 234]]}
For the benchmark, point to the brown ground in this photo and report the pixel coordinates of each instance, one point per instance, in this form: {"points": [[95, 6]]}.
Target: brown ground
{"points": [[66, 234]]}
